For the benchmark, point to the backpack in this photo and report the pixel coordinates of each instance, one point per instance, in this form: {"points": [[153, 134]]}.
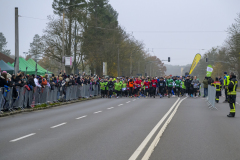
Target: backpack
{"points": [[27, 87], [30, 86]]}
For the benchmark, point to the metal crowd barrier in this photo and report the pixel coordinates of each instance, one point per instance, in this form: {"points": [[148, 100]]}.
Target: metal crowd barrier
{"points": [[38, 96], [211, 96], [202, 89]]}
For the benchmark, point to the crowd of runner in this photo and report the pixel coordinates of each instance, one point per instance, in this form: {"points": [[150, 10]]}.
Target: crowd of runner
{"points": [[168, 86]]}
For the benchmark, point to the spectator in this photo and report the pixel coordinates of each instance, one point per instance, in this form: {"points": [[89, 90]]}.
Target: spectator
{"points": [[205, 86]]}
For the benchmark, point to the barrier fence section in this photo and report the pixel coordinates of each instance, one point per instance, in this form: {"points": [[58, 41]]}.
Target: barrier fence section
{"points": [[45, 95], [211, 96], [202, 90]]}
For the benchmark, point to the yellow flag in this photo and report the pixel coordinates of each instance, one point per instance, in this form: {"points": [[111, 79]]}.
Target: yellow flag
{"points": [[195, 62]]}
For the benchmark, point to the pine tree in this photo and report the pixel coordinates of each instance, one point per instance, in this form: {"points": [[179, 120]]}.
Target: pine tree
{"points": [[3, 45]]}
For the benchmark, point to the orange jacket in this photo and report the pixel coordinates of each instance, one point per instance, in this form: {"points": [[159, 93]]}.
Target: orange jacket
{"points": [[44, 82], [130, 84]]}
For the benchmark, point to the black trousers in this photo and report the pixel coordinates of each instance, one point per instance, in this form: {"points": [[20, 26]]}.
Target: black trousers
{"points": [[169, 90], [147, 91], [218, 94], [232, 102], [161, 90], [226, 96], [177, 91], [103, 93], [188, 90], [183, 91], [130, 91]]}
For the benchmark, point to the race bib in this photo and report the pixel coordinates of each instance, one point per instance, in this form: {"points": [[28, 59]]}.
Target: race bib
{"points": [[161, 84], [146, 87], [154, 83]]}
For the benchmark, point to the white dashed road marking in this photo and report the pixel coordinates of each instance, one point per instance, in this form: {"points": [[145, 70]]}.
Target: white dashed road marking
{"points": [[81, 117], [111, 108], [23, 137], [128, 102], [97, 112], [120, 104], [58, 125]]}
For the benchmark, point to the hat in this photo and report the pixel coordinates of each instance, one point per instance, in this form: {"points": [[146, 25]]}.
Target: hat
{"points": [[225, 72]]}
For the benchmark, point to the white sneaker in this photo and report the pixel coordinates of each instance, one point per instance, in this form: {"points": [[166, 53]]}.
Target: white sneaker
{"points": [[117, 97], [173, 95]]}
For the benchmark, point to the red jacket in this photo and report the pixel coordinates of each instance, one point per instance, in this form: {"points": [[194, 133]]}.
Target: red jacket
{"points": [[146, 84], [138, 83], [154, 83]]}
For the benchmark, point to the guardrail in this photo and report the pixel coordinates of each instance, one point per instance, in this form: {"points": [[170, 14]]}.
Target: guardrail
{"points": [[211, 96], [36, 96]]}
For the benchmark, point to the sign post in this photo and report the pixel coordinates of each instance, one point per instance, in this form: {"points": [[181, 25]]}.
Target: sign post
{"points": [[104, 68]]}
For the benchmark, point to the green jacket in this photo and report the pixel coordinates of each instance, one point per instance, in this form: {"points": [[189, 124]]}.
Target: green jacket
{"points": [[170, 82], [117, 86], [124, 85], [183, 85], [178, 83], [205, 83], [106, 85], [102, 86]]}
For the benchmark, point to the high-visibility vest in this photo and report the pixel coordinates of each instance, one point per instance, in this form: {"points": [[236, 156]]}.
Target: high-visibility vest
{"points": [[226, 80], [234, 91]]}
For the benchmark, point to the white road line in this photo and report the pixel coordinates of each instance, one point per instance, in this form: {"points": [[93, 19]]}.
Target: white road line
{"points": [[157, 138], [149, 136], [59, 125], [111, 108], [81, 117], [23, 137], [128, 102], [97, 112], [134, 100], [120, 104]]}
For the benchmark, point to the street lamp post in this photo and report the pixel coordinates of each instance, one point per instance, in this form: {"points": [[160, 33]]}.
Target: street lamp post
{"points": [[118, 62]]}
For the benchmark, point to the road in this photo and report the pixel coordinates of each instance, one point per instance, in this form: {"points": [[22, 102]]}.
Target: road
{"points": [[121, 129]]}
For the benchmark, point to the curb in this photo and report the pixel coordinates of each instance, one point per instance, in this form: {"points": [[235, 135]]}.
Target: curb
{"points": [[47, 107]]}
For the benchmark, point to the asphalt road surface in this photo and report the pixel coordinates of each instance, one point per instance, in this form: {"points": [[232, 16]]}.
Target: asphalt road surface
{"points": [[122, 129]]}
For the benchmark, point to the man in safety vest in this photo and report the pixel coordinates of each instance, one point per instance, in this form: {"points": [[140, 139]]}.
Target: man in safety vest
{"points": [[226, 83], [232, 92], [218, 87]]}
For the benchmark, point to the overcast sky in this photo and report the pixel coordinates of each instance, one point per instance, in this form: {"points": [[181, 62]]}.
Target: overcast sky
{"points": [[169, 28]]}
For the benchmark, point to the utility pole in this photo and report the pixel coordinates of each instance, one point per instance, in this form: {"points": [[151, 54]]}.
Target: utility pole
{"points": [[62, 64], [118, 62], [16, 66], [75, 49]]}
